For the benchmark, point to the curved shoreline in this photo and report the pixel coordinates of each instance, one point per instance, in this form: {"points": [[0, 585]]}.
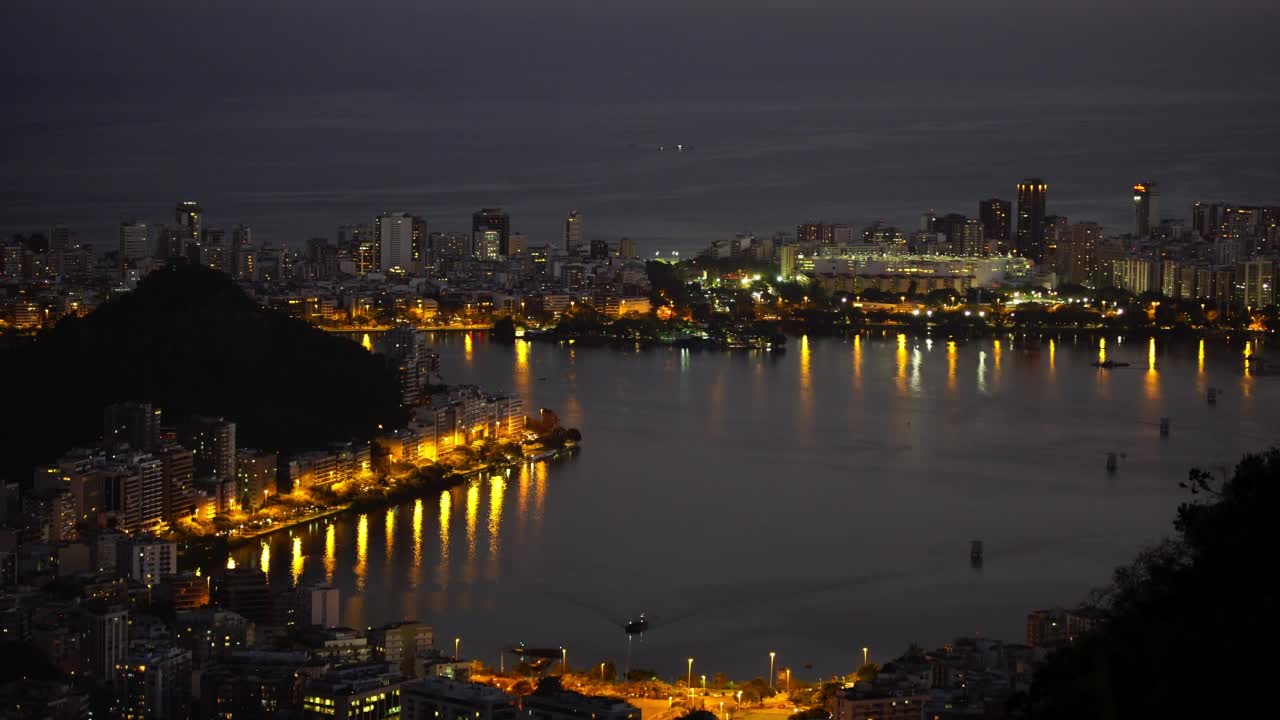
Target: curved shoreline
{"points": [[401, 493]]}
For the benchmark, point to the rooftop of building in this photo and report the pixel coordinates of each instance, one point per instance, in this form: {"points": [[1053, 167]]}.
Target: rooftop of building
{"points": [[576, 700], [356, 678], [457, 691]]}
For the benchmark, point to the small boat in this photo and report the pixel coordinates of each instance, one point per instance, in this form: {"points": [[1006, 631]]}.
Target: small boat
{"points": [[637, 626], [1108, 364], [1112, 462]]}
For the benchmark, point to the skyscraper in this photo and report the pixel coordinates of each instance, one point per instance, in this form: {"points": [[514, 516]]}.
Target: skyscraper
{"points": [[1082, 250], [188, 217], [179, 481], [1205, 219], [214, 249], [573, 232], [133, 241], [973, 241], [418, 251], [1032, 195], [1146, 203], [994, 214], [213, 440], [132, 424], [821, 233], [395, 241], [490, 234]]}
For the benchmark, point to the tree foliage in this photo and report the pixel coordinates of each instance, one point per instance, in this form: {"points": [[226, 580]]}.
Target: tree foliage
{"points": [[1174, 627]]}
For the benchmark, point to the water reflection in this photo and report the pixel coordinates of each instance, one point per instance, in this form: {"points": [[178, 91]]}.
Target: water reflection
{"points": [[522, 498], [857, 361], [362, 551], [417, 543], [539, 497], [473, 505], [522, 367], [951, 365], [264, 561], [446, 510], [1102, 349], [513, 554], [916, 359], [1152, 380], [468, 347], [330, 552], [1053, 360], [389, 527], [298, 561], [497, 488], [902, 363], [1247, 384]]}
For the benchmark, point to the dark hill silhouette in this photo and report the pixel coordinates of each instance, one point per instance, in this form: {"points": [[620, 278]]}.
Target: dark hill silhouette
{"points": [[191, 342], [1187, 630]]}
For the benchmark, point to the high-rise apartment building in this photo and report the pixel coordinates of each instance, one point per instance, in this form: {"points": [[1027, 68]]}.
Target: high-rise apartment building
{"points": [[107, 628], [213, 440], [140, 487], [973, 240], [490, 234], [448, 247], [188, 217], [134, 241], [1256, 283], [1032, 195], [395, 241], [154, 682], [1082, 253], [1146, 203], [821, 233], [179, 481], [995, 215], [146, 559], [418, 247], [573, 238], [255, 476], [317, 605], [213, 249], [1205, 219], [627, 249], [132, 424]]}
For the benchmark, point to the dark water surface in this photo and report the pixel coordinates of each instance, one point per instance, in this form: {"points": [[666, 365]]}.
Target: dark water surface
{"points": [[810, 502]]}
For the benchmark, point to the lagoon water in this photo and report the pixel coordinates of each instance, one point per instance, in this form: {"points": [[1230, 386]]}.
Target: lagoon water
{"points": [[810, 502]]}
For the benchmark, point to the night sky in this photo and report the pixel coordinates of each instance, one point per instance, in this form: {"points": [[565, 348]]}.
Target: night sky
{"points": [[338, 109]]}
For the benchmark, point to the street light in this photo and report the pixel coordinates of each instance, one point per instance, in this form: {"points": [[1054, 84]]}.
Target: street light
{"points": [[601, 672], [564, 661], [788, 681], [689, 681], [771, 669], [704, 682], [457, 643], [864, 656]]}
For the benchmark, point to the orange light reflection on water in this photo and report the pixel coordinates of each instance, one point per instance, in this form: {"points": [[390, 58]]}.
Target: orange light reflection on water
{"points": [[330, 552], [362, 551]]}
